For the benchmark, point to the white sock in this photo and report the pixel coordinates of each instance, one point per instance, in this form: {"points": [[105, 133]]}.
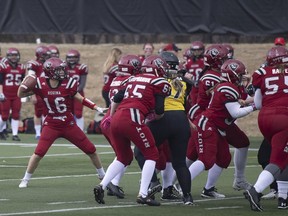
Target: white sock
{"points": [[80, 123], [282, 189], [213, 175], [37, 130], [188, 162], [100, 172], [167, 175], [14, 127], [264, 180], [146, 176], [240, 158], [116, 180], [2, 124], [196, 168], [27, 176], [114, 168]]}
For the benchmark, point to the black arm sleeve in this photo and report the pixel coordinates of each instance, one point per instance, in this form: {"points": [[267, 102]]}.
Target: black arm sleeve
{"points": [[159, 104], [1, 78], [119, 96]]}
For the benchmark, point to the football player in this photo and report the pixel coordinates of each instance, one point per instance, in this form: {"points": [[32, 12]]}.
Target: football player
{"points": [[128, 65], [79, 72], [35, 67], [144, 93], [11, 74], [272, 100], [54, 51], [59, 91]]}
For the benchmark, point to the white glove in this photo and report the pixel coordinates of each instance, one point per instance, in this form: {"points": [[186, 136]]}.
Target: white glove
{"points": [[2, 97], [101, 110]]}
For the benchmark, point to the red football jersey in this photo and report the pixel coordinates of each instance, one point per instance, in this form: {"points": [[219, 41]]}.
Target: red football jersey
{"points": [[141, 90], [109, 76], [217, 113], [77, 71], [12, 78], [118, 83], [273, 85], [59, 100], [35, 66]]}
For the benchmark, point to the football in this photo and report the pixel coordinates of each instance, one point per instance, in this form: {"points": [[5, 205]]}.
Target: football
{"points": [[28, 83]]}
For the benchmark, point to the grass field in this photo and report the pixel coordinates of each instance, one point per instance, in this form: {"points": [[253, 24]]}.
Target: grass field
{"points": [[63, 183]]}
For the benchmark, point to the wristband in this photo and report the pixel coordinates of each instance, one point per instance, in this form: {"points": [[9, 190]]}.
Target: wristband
{"points": [[88, 103]]}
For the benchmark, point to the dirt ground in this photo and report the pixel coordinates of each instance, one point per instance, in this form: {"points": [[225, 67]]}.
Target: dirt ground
{"points": [[94, 56]]}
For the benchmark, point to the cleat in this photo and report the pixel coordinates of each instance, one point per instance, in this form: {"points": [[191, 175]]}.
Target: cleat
{"points": [[99, 194], [211, 193], [241, 185], [178, 188], [2, 136], [37, 137], [16, 138], [187, 199], [5, 132], [273, 194], [147, 201], [170, 193], [115, 190], [23, 183], [282, 203], [155, 187], [254, 198]]}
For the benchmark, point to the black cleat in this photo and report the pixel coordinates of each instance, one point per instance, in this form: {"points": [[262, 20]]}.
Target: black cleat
{"points": [[170, 193], [99, 194], [187, 199], [155, 187], [147, 200], [254, 198], [115, 190], [2, 136], [16, 138], [282, 203]]}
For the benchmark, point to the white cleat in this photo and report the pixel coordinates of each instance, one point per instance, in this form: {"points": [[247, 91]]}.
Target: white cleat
{"points": [[23, 183], [271, 195]]}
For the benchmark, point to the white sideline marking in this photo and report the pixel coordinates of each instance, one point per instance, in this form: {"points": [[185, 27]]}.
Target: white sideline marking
{"points": [[11, 166], [72, 202], [106, 207], [224, 207], [54, 144]]}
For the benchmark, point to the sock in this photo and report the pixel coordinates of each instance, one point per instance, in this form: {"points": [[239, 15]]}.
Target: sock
{"points": [[114, 168], [282, 189], [118, 177], [27, 176], [188, 162], [167, 175], [146, 176], [196, 168], [37, 130], [101, 172], [80, 123], [240, 158], [14, 126], [213, 176], [264, 180]]}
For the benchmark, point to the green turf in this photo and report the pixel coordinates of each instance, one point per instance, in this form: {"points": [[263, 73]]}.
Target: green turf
{"points": [[63, 183]]}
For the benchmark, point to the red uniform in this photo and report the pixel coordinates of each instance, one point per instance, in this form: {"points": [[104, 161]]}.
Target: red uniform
{"points": [[11, 79], [273, 116], [76, 72], [109, 76], [59, 121], [37, 68], [194, 67], [128, 122]]}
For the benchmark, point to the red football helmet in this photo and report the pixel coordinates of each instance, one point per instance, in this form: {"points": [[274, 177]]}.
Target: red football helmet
{"points": [[215, 55], [54, 51], [55, 68], [13, 55], [42, 53], [73, 57], [197, 48], [156, 65], [129, 64], [233, 71], [277, 55], [187, 53], [230, 54]]}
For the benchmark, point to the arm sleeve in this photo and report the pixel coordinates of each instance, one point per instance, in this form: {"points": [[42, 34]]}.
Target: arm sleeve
{"points": [[1, 78], [119, 96], [258, 99], [159, 104], [236, 111]]}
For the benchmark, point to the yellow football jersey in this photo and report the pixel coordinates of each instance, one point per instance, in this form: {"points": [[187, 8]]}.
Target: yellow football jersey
{"points": [[177, 98]]}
